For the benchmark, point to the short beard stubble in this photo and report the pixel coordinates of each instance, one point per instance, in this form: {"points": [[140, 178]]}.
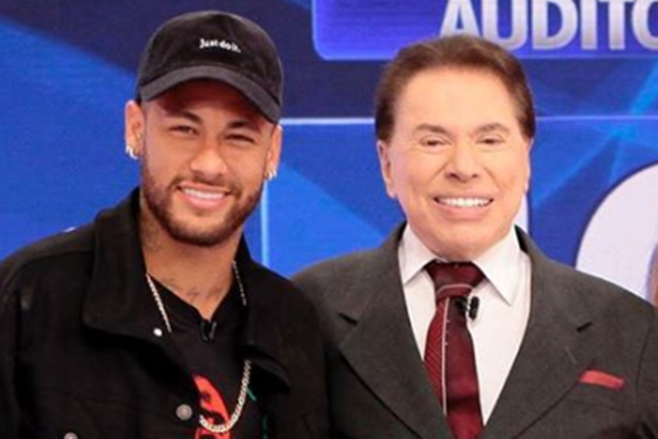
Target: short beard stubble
{"points": [[158, 201]]}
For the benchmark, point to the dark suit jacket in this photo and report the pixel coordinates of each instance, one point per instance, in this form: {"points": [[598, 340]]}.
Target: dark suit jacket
{"points": [[379, 389]]}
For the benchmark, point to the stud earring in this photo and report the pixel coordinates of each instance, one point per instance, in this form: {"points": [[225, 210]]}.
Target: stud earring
{"points": [[271, 175]]}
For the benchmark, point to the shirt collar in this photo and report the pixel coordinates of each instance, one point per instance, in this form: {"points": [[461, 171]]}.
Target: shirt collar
{"points": [[501, 264], [414, 255]]}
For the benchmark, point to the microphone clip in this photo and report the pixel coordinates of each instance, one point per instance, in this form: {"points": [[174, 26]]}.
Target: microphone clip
{"points": [[469, 306]]}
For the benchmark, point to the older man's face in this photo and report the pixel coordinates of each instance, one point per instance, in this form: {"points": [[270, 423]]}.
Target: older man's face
{"points": [[457, 160]]}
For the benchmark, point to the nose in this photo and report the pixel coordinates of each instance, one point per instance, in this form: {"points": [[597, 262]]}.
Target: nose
{"points": [[464, 163], [209, 161]]}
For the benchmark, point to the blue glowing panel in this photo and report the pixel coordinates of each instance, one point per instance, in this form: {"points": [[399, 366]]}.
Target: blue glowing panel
{"points": [[328, 198], [376, 29], [60, 135]]}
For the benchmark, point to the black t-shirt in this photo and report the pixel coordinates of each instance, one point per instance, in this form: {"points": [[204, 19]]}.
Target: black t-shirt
{"points": [[211, 352]]}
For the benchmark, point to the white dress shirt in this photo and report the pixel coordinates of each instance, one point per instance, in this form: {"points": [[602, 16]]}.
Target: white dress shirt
{"points": [[500, 325]]}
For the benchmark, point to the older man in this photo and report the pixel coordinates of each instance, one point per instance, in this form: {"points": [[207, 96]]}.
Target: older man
{"points": [[153, 321], [458, 326]]}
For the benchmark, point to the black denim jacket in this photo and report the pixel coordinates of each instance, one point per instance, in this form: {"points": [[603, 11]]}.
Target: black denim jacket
{"points": [[78, 352]]}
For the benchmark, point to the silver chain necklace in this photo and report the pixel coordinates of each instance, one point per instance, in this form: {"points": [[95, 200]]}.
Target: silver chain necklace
{"points": [[246, 371]]}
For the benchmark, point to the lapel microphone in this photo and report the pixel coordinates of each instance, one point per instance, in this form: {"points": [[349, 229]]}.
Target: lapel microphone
{"points": [[469, 306], [208, 328], [473, 307]]}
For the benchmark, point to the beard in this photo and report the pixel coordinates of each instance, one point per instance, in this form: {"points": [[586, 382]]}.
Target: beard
{"points": [[159, 200]]}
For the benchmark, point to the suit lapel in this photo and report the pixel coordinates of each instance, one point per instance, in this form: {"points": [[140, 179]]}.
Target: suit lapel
{"points": [[552, 356], [382, 350]]}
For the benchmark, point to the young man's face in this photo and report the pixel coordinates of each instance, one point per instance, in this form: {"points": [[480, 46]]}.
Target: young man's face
{"points": [[205, 151], [457, 160]]}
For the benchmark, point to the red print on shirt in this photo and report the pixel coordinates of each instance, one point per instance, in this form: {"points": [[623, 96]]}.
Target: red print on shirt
{"points": [[212, 407]]}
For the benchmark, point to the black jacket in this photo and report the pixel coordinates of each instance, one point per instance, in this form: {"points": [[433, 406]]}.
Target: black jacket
{"points": [[78, 353]]}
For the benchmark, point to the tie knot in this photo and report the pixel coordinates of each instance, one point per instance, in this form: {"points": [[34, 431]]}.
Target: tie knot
{"points": [[454, 278]]}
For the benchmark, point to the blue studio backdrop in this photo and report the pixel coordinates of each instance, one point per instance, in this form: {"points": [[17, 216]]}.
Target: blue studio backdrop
{"points": [[67, 68]]}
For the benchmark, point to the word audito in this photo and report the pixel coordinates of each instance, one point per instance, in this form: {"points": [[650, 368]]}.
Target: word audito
{"points": [[375, 29], [545, 25]]}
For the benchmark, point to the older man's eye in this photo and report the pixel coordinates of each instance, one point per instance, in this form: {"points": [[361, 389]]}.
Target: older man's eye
{"points": [[492, 141], [432, 142]]}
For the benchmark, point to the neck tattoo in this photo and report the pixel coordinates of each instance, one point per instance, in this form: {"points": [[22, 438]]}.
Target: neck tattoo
{"points": [[246, 370]]}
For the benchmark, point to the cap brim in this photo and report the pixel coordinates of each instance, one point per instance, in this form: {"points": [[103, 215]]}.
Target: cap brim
{"points": [[252, 91]]}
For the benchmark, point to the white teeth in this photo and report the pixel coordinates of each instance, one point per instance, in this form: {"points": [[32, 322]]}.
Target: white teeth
{"points": [[203, 195], [464, 202]]}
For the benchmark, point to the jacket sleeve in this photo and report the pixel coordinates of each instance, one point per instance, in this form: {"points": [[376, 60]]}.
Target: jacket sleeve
{"points": [[9, 333], [648, 385]]}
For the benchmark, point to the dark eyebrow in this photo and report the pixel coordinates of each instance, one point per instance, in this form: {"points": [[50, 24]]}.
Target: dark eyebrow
{"points": [[244, 123], [483, 129], [432, 128], [236, 124], [183, 114], [492, 127]]}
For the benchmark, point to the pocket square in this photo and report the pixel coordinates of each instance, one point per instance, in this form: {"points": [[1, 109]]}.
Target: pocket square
{"points": [[600, 378]]}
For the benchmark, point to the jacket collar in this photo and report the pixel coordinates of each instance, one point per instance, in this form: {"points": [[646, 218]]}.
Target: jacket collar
{"points": [[391, 365], [119, 302], [557, 346]]}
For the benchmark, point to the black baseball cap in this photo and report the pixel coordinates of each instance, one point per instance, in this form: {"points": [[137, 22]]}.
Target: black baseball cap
{"points": [[213, 45]]}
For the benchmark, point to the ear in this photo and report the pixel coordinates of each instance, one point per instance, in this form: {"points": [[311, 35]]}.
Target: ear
{"points": [[384, 152], [274, 152], [134, 127]]}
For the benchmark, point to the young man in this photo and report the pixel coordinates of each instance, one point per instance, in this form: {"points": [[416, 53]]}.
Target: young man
{"points": [[153, 321], [458, 326]]}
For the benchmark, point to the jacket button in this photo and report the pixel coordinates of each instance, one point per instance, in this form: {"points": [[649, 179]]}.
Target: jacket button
{"points": [[70, 435], [184, 412]]}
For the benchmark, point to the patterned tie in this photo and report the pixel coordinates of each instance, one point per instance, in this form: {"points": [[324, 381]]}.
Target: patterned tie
{"points": [[449, 357]]}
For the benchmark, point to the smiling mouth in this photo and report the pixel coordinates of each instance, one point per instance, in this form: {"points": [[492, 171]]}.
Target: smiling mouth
{"points": [[203, 195], [464, 202]]}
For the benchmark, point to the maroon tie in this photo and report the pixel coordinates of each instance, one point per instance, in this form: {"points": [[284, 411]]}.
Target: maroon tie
{"points": [[449, 357]]}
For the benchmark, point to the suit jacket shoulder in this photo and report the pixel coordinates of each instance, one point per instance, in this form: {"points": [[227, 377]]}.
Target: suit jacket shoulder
{"points": [[346, 282], [376, 374], [586, 367], [581, 293]]}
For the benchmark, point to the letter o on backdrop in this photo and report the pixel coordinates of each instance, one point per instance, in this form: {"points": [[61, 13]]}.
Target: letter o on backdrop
{"points": [[623, 232]]}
